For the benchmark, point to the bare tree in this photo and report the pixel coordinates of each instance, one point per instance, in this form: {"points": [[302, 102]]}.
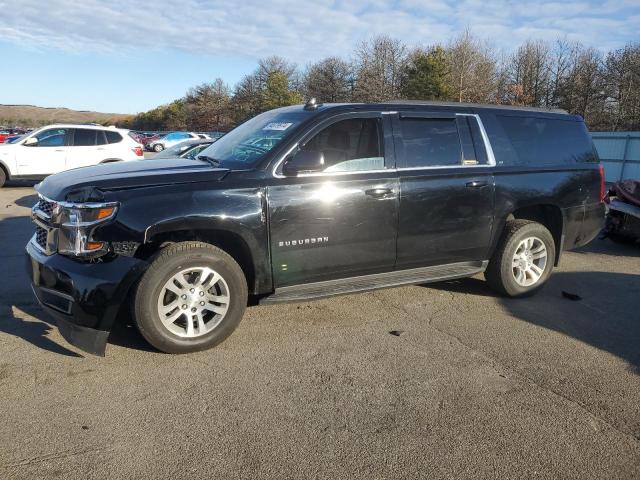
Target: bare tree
{"points": [[379, 65], [329, 80], [582, 91], [472, 69], [529, 74], [622, 84]]}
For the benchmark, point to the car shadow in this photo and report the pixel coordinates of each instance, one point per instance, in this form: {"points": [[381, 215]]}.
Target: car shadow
{"points": [[36, 332], [606, 246], [126, 334], [27, 201], [21, 183], [604, 314]]}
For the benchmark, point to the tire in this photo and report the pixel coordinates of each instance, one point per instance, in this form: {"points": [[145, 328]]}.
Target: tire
{"points": [[3, 177], [514, 277], [153, 300], [158, 147]]}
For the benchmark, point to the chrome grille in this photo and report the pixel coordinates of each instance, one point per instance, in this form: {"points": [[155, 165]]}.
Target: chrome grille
{"points": [[45, 206], [45, 236], [41, 237]]}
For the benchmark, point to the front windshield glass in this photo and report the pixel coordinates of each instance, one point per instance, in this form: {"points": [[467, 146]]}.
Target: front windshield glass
{"points": [[243, 146]]}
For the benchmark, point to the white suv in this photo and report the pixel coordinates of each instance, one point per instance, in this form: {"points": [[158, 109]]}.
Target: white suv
{"points": [[59, 147]]}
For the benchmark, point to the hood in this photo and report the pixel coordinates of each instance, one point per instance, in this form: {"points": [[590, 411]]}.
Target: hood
{"points": [[122, 175]]}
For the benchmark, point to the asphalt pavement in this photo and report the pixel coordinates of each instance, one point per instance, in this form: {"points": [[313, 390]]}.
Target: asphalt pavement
{"points": [[469, 385]]}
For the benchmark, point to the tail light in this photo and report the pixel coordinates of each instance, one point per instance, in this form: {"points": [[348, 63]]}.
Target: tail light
{"points": [[603, 192], [138, 151]]}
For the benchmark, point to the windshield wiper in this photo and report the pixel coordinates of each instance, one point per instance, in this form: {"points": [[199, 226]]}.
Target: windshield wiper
{"points": [[213, 161]]}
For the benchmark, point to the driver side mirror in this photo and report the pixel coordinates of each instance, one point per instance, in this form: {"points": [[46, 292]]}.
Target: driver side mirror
{"points": [[30, 142], [304, 161]]}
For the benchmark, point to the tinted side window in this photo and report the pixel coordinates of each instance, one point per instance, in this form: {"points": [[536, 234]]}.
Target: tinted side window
{"points": [[350, 145], [429, 142], [101, 139], [113, 137], [545, 141], [84, 137], [54, 137]]}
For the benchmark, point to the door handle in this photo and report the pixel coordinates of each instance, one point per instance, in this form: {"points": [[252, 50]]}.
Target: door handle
{"points": [[477, 184], [378, 192], [58, 150]]}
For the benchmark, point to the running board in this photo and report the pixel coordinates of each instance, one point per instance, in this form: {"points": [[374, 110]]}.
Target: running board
{"points": [[438, 273]]}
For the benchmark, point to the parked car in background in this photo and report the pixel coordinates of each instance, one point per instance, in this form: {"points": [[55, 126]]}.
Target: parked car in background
{"points": [[3, 135], [187, 149], [146, 138], [169, 140], [11, 138], [55, 148]]}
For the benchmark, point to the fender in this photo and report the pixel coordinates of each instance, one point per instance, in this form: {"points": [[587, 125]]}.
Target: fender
{"points": [[235, 219]]}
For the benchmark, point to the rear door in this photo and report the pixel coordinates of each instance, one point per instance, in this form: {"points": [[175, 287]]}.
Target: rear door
{"points": [[87, 148], [446, 189], [340, 222]]}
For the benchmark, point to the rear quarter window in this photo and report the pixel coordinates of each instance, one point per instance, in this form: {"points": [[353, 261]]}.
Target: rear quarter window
{"points": [[530, 140], [113, 137]]}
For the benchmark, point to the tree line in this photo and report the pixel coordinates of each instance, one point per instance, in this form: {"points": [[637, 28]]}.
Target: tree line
{"points": [[604, 88]]}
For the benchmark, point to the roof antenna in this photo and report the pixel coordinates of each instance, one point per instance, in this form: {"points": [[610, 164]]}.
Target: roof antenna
{"points": [[312, 104]]}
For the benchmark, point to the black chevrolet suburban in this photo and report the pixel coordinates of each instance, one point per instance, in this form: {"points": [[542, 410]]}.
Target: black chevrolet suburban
{"points": [[311, 201]]}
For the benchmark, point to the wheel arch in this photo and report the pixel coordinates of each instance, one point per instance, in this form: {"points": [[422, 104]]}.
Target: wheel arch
{"points": [[235, 240], [547, 214], [5, 169]]}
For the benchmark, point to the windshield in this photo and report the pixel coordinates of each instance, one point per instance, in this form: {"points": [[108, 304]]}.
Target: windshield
{"points": [[242, 147]]}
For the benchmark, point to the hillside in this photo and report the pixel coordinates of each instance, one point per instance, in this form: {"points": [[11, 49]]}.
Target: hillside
{"points": [[32, 116]]}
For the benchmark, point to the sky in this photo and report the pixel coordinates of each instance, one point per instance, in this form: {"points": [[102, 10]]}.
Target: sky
{"points": [[129, 56]]}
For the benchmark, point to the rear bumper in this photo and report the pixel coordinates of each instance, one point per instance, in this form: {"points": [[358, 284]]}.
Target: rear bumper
{"points": [[84, 298], [592, 223]]}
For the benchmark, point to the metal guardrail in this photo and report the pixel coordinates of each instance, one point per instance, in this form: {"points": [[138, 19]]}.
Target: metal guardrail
{"points": [[619, 153]]}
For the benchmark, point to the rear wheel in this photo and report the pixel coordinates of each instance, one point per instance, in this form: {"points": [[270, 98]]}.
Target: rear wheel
{"points": [[3, 177], [191, 297], [158, 148], [523, 259]]}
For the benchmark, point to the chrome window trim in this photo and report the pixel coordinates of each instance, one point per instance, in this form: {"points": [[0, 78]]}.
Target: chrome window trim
{"points": [[485, 139], [354, 172], [491, 159]]}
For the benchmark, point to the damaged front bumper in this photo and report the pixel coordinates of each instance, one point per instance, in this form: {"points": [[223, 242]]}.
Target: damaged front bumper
{"points": [[84, 298]]}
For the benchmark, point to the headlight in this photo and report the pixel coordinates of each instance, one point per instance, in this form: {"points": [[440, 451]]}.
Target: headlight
{"points": [[77, 223]]}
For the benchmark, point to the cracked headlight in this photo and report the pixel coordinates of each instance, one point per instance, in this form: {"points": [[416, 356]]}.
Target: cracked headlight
{"points": [[77, 222]]}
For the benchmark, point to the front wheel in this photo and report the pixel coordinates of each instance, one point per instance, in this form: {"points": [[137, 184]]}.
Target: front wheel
{"points": [[523, 259], [3, 178], [191, 298], [158, 147]]}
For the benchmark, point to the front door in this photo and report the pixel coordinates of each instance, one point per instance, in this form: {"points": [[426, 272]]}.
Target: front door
{"points": [[341, 221], [446, 189], [45, 157]]}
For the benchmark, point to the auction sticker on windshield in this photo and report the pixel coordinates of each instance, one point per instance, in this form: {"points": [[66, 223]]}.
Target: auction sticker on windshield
{"points": [[277, 126]]}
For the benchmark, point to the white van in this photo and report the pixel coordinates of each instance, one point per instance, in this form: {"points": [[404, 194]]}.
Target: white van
{"points": [[59, 147]]}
